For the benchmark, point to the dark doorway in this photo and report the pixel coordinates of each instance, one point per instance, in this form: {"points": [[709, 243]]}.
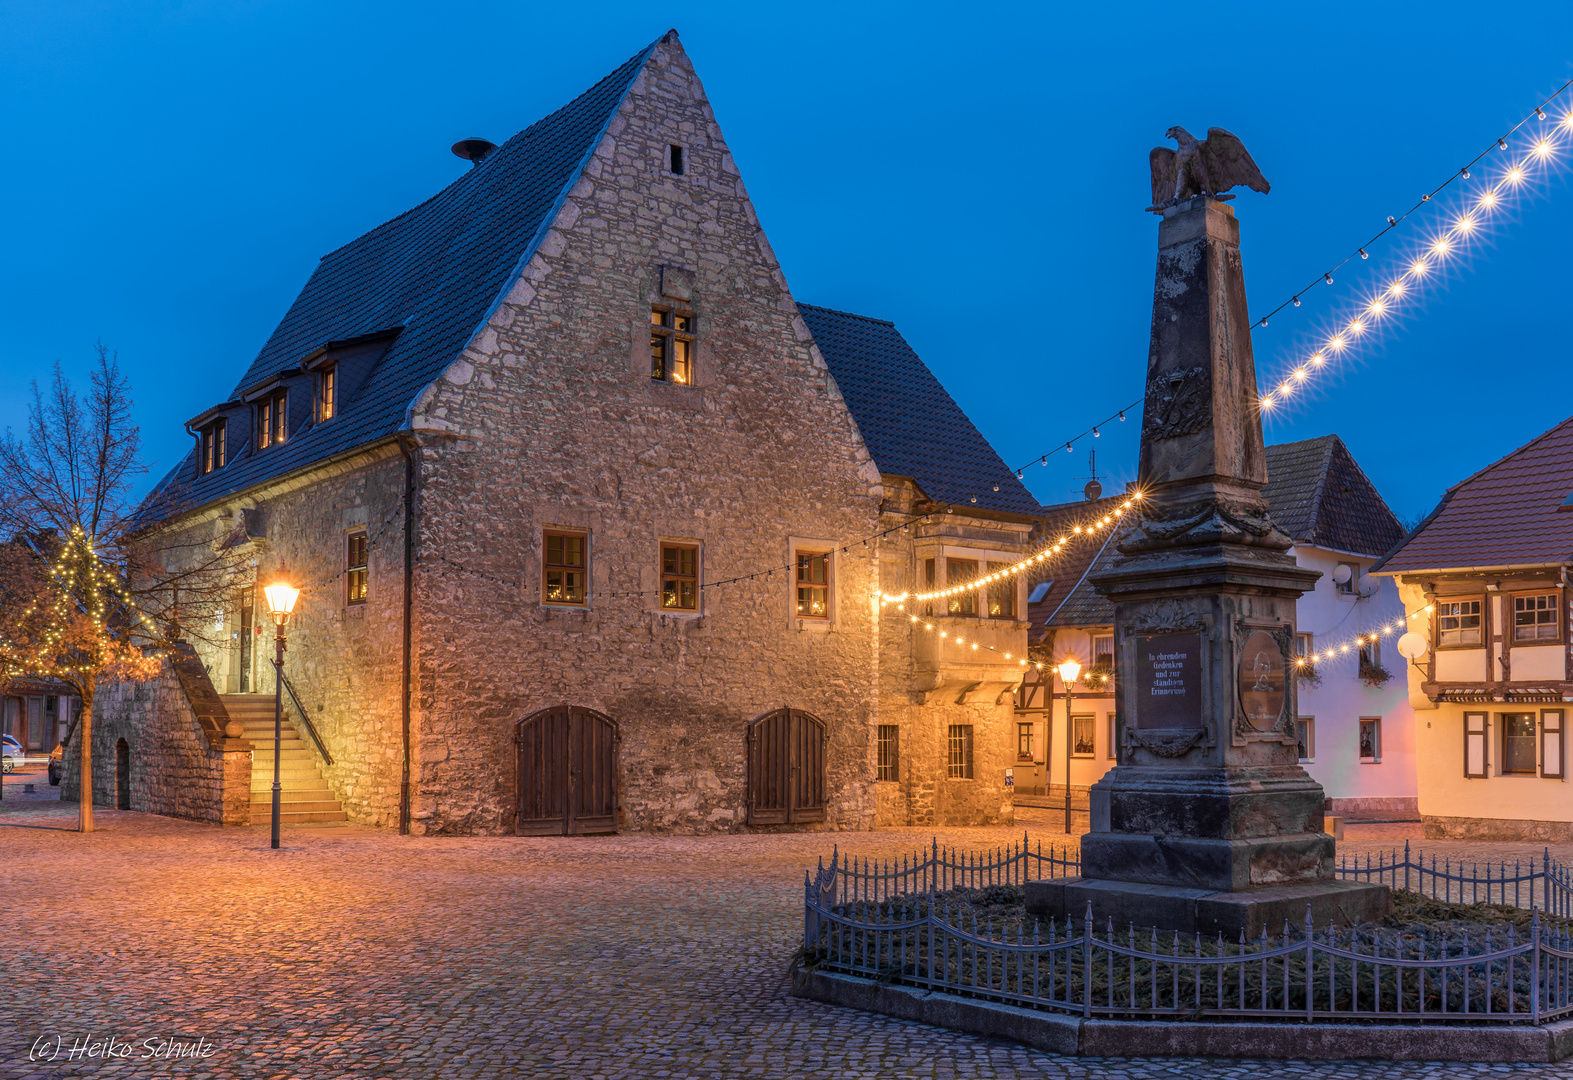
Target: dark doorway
{"points": [[246, 634], [567, 773], [122, 776], [786, 768]]}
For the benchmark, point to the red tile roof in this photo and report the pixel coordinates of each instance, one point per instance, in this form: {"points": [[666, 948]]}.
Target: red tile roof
{"points": [[1507, 514]]}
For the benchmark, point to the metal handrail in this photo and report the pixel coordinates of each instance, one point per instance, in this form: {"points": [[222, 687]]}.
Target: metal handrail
{"points": [[311, 729]]}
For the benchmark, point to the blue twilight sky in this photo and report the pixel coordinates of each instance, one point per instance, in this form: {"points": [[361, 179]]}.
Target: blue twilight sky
{"points": [[976, 173]]}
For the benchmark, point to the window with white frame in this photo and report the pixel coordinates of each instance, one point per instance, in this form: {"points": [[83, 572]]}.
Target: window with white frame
{"points": [[1082, 744], [1518, 744], [1535, 617], [1458, 622], [1370, 740], [960, 759]]}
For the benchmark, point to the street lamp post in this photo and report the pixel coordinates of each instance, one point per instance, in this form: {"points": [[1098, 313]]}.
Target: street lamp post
{"points": [[281, 602], [1070, 668]]}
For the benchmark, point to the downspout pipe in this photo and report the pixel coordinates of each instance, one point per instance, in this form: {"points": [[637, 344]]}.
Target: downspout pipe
{"points": [[407, 446]]}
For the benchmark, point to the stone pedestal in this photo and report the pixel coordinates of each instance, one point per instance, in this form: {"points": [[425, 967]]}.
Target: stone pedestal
{"points": [[1208, 821]]}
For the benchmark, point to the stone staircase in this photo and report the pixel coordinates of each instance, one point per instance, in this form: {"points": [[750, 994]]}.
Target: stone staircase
{"points": [[305, 798]]}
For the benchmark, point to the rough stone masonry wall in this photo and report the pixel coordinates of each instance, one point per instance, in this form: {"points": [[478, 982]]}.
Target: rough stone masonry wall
{"points": [[928, 685], [344, 660], [550, 418], [175, 769]]}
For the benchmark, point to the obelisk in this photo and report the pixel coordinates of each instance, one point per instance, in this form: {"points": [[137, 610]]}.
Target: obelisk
{"points": [[1208, 822]]}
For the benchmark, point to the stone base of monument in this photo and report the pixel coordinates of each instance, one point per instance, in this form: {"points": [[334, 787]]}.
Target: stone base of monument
{"points": [[1208, 911]]}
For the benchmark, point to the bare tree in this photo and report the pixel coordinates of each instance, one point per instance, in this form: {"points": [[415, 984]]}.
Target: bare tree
{"points": [[102, 598]]}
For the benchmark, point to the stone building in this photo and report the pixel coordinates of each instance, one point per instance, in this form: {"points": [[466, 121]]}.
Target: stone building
{"points": [[1355, 723], [1486, 577], [592, 520]]}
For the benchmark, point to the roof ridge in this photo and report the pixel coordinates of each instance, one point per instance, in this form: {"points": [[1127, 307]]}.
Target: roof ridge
{"points": [[1558, 426], [848, 314], [642, 54], [1321, 484]]}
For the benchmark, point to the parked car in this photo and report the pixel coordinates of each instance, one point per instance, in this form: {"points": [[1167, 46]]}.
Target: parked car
{"points": [[10, 752], [57, 764]]}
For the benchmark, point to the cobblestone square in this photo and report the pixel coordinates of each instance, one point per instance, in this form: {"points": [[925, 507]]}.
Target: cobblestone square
{"points": [[355, 952]]}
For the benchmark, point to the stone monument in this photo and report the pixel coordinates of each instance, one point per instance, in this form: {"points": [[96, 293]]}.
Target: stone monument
{"points": [[1208, 822]]}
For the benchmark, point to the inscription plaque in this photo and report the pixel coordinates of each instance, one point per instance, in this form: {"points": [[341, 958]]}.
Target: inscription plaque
{"points": [[1262, 680], [1169, 681]]}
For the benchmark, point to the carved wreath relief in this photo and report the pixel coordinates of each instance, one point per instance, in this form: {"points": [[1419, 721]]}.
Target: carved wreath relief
{"points": [[1178, 403]]}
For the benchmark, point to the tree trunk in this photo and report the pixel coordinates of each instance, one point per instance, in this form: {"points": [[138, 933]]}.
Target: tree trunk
{"points": [[84, 734]]}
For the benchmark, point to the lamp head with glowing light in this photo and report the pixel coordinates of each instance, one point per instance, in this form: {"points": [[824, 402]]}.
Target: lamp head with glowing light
{"points": [[1070, 669], [281, 601]]}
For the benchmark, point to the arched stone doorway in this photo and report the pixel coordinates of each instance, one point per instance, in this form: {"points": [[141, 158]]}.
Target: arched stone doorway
{"points": [[567, 772]]}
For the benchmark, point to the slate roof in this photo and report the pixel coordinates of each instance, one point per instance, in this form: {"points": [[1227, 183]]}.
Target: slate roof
{"points": [[1316, 493], [1068, 572], [1319, 495], [1511, 513], [435, 271], [911, 426]]}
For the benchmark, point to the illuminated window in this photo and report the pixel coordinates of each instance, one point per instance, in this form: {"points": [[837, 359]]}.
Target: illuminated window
{"points": [[563, 568], [961, 572], [680, 577], [671, 346], [355, 567], [813, 584], [1535, 618], [1458, 622], [272, 419], [213, 449], [327, 393], [1002, 594], [1082, 737], [889, 752], [960, 763]]}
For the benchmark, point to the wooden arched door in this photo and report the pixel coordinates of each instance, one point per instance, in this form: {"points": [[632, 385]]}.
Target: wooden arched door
{"points": [[567, 766], [786, 768]]}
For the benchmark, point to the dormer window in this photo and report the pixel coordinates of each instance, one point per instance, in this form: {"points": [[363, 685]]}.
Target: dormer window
{"points": [[327, 393], [671, 345], [272, 412], [211, 455]]}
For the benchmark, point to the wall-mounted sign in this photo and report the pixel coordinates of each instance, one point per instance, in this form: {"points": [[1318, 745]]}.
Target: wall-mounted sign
{"points": [[1169, 681], [1262, 680]]}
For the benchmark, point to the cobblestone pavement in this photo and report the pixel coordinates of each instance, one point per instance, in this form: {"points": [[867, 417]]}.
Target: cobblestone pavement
{"points": [[354, 952]]}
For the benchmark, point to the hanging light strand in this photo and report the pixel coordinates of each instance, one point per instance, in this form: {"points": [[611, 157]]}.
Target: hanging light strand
{"points": [[1354, 644], [1394, 221]]}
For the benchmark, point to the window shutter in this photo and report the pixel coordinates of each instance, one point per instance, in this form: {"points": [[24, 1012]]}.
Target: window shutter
{"points": [[1551, 744], [1475, 745]]}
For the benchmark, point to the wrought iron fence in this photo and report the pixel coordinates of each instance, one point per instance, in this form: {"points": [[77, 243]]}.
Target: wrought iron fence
{"points": [[905, 921]]}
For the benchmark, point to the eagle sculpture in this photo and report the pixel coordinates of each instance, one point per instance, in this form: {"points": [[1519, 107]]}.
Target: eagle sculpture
{"points": [[1206, 167]]}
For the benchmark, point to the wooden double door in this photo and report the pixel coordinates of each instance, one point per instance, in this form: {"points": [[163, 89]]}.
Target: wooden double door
{"points": [[786, 768], [567, 765]]}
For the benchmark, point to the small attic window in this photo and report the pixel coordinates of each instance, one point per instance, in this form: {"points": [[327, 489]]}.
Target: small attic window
{"points": [[212, 453], [1039, 591], [674, 160]]}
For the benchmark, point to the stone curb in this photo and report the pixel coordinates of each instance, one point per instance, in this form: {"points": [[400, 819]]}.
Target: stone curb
{"points": [[1073, 1036]]}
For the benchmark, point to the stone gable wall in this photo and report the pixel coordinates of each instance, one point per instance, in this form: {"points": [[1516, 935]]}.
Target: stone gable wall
{"points": [[550, 418], [175, 769]]}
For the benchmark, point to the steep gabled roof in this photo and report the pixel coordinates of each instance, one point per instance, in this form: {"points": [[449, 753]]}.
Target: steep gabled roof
{"points": [[910, 424], [1508, 514], [1319, 495], [434, 272]]}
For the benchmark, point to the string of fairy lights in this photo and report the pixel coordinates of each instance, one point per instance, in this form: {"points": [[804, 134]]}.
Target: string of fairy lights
{"points": [[1354, 644], [1421, 265], [83, 579]]}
